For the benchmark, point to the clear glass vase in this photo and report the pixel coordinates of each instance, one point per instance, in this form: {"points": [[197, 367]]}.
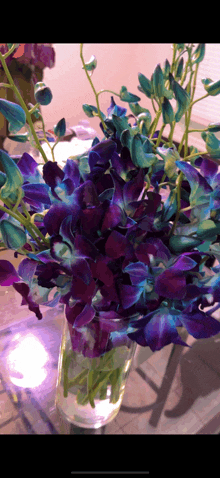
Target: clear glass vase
{"points": [[89, 391]]}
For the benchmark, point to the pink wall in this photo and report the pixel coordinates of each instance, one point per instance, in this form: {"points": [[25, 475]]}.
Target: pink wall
{"points": [[118, 64]]}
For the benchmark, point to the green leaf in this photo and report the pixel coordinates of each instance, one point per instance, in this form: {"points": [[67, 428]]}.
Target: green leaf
{"points": [[126, 96], [14, 114], [14, 178]]}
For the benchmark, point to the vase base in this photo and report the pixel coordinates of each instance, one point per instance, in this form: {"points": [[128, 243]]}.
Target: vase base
{"points": [[85, 416]]}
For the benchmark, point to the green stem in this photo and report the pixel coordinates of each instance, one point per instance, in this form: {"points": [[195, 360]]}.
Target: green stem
{"points": [[160, 135], [155, 123], [92, 86], [5, 85], [197, 130], [107, 91], [171, 133], [28, 116], [10, 51], [199, 99]]}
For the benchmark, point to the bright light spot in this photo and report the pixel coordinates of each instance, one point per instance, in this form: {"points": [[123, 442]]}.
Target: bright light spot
{"points": [[26, 362]]}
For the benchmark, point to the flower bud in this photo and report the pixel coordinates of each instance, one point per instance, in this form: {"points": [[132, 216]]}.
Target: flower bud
{"points": [[14, 177], [91, 64], [14, 114], [42, 93], [146, 85], [179, 68], [166, 70], [158, 82], [199, 53], [180, 46], [167, 112], [13, 235], [146, 118], [213, 89], [214, 127], [181, 96], [126, 96], [60, 128]]}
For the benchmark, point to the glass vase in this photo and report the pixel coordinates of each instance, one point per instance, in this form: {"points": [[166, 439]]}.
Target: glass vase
{"points": [[89, 391]]}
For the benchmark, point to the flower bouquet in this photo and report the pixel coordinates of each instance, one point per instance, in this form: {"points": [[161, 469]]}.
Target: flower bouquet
{"points": [[126, 236]]}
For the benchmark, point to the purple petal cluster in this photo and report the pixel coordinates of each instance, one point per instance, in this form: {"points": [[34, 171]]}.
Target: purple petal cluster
{"points": [[109, 259]]}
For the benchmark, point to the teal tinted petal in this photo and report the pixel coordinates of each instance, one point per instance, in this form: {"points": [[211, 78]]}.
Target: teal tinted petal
{"points": [[139, 157], [14, 177], [126, 96], [120, 123], [170, 156], [212, 144], [14, 114], [13, 236]]}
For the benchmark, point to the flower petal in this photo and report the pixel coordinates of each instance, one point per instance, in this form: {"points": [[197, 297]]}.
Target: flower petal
{"points": [[24, 290], [171, 285], [199, 324], [85, 316], [8, 274], [115, 245]]}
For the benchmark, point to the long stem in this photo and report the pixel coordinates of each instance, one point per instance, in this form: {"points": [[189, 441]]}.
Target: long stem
{"points": [[108, 91], [93, 88], [28, 116]]}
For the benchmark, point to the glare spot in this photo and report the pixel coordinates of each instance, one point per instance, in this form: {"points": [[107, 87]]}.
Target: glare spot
{"points": [[26, 362]]}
